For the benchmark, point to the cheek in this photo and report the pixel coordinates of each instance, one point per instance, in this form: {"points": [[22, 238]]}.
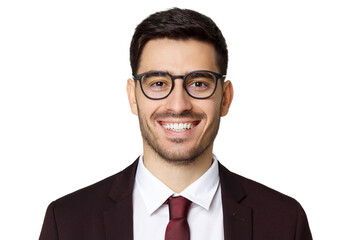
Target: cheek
{"points": [[215, 113], [141, 103], [214, 104], [147, 108], [211, 110]]}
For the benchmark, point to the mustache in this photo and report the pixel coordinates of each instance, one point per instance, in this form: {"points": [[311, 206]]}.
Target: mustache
{"points": [[185, 114]]}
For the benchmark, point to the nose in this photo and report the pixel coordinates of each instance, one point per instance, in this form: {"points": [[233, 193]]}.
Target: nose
{"points": [[178, 101]]}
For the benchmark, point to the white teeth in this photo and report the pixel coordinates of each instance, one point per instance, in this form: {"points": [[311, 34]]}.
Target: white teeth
{"points": [[178, 127]]}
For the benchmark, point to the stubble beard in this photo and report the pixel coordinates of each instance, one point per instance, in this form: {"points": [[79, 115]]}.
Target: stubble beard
{"points": [[178, 156]]}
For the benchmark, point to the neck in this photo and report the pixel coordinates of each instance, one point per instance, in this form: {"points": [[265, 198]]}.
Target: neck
{"points": [[174, 175]]}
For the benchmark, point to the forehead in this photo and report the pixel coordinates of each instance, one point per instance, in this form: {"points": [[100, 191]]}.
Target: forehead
{"points": [[177, 56]]}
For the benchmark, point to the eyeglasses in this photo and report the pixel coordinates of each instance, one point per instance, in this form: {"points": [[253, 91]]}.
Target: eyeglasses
{"points": [[158, 85]]}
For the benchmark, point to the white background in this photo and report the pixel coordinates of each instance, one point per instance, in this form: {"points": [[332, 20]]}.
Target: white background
{"points": [[294, 124]]}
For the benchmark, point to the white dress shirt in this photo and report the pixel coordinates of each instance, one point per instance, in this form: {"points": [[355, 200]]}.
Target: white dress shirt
{"points": [[151, 215]]}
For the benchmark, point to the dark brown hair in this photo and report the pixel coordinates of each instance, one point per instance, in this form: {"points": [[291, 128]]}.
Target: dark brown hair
{"points": [[178, 23]]}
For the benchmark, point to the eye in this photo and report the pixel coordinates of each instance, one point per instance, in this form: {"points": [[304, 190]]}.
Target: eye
{"points": [[158, 84], [199, 85]]}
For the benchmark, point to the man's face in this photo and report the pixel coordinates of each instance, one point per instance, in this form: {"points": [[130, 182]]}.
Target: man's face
{"points": [[198, 119]]}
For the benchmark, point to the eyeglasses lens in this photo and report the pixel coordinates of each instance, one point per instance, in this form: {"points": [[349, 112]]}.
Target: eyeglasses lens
{"points": [[200, 84], [156, 85]]}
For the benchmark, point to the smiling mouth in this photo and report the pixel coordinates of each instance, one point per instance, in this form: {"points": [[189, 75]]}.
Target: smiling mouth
{"points": [[179, 127]]}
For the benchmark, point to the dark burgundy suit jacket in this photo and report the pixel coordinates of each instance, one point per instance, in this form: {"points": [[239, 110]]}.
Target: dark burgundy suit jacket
{"points": [[104, 211]]}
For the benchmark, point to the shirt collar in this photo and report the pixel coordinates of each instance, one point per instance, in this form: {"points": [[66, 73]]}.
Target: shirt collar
{"points": [[155, 193]]}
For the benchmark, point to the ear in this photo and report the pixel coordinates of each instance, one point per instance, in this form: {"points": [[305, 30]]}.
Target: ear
{"points": [[228, 94], [131, 88]]}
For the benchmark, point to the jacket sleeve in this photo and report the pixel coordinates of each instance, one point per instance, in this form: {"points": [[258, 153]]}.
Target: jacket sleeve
{"points": [[302, 226], [49, 228]]}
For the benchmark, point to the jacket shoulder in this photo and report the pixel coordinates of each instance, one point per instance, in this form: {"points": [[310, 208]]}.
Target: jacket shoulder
{"points": [[97, 195], [79, 215], [274, 214], [262, 194], [253, 192]]}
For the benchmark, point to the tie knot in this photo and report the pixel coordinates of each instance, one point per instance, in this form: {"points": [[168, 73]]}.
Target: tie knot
{"points": [[178, 207]]}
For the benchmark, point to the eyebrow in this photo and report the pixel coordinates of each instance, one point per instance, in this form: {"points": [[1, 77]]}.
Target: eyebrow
{"points": [[157, 70]]}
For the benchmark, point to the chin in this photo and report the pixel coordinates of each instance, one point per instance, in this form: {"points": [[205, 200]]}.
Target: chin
{"points": [[179, 155]]}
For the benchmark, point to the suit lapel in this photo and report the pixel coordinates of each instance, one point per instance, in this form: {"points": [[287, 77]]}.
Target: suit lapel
{"points": [[237, 217], [118, 219]]}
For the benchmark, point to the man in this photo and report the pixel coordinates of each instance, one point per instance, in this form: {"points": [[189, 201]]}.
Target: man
{"points": [[177, 189]]}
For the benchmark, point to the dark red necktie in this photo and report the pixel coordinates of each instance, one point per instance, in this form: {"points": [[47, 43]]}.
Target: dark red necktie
{"points": [[178, 227]]}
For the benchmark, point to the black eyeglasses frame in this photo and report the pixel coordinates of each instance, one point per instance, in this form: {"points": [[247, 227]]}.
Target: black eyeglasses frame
{"points": [[217, 77]]}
